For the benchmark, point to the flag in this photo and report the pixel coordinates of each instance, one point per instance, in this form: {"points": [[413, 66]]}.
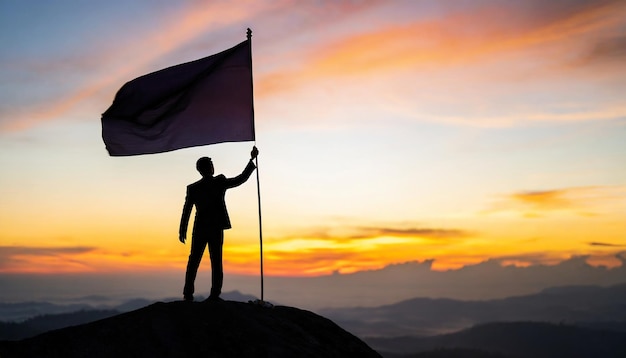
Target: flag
{"points": [[202, 102]]}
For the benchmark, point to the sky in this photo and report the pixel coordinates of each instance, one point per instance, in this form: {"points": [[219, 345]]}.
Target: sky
{"points": [[449, 132]]}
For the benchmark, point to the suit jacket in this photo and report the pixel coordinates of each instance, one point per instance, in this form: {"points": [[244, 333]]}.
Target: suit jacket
{"points": [[207, 194]]}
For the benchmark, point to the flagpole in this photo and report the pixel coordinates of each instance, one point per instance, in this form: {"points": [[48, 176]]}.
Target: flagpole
{"points": [[258, 183], [258, 187]]}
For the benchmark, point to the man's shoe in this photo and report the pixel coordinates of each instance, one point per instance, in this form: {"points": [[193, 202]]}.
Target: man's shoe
{"points": [[214, 299], [188, 298]]}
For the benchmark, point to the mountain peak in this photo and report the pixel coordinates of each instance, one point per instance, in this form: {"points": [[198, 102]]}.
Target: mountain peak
{"points": [[208, 329]]}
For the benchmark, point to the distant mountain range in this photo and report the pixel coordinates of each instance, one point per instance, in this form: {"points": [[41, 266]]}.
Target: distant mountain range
{"points": [[588, 306], [508, 340], [426, 316], [487, 280], [239, 329]]}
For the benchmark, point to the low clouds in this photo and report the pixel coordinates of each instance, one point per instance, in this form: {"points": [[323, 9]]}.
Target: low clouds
{"points": [[546, 199], [605, 244], [42, 251], [351, 233], [581, 201], [430, 233], [42, 259], [313, 261], [350, 249], [488, 279], [65, 259]]}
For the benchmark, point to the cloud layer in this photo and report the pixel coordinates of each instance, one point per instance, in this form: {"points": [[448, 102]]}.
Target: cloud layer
{"points": [[351, 44]]}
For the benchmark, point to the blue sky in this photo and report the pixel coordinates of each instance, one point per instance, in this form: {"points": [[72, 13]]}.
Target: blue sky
{"points": [[389, 132]]}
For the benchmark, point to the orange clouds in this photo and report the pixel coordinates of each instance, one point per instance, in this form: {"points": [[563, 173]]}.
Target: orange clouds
{"points": [[458, 38], [585, 201], [569, 34], [545, 200], [494, 65], [612, 49], [52, 109], [382, 68], [66, 259], [126, 60], [418, 232], [43, 259], [349, 250]]}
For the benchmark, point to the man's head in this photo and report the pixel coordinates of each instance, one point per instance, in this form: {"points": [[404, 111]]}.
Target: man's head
{"points": [[205, 166]]}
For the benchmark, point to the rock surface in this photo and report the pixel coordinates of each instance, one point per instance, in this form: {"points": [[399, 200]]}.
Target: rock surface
{"points": [[199, 329]]}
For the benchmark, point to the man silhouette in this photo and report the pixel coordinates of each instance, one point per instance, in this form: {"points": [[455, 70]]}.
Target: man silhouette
{"points": [[207, 194]]}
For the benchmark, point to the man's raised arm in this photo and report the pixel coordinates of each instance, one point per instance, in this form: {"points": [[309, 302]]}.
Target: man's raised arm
{"points": [[241, 178]]}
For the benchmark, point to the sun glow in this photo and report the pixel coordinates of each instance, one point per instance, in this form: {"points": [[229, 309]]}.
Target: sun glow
{"points": [[486, 132]]}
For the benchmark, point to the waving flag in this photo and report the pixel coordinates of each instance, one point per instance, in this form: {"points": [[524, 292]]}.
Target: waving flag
{"points": [[202, 102]]}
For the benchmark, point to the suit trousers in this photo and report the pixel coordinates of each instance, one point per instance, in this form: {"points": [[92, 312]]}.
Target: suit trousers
{"points": [[215, 241]]}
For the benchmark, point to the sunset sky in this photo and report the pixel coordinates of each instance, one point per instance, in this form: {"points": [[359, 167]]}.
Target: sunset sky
{"points": [[389, 132]]}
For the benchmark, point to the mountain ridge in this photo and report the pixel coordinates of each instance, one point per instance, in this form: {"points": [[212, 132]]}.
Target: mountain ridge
{"points": [[212, 329]]}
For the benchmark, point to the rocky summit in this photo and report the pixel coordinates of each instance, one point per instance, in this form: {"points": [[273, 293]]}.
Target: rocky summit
{"points": [[198, 329]]}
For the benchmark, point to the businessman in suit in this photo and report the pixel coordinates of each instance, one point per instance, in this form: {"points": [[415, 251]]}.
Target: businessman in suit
{"points": [[207, 194]]}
